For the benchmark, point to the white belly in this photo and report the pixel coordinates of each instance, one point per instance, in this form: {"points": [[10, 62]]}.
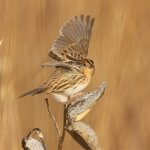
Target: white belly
{"points": [[75, 90], [60, 98]]}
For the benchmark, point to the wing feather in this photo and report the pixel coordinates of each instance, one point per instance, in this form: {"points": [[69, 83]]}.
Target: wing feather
{"points": [[73, 39]]}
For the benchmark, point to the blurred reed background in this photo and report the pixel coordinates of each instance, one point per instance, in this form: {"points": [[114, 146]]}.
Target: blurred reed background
{"points": [[120, 47]]}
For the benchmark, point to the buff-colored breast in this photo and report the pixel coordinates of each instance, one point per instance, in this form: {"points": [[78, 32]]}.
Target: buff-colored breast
{"points": [[88, 72]]}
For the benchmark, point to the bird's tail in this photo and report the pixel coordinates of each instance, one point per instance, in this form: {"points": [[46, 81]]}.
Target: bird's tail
{"points": [[34, 91]]}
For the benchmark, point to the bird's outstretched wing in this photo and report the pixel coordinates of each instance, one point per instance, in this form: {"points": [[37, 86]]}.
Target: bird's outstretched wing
{"points": [[73, 40]]}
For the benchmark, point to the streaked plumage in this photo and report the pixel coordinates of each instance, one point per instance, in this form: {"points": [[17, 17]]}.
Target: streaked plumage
{"points": [[68, 54], [34, 140]]}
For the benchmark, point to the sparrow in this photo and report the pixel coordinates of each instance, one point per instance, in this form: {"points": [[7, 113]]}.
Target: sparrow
{"points": [[68, 55], [34, 140]]}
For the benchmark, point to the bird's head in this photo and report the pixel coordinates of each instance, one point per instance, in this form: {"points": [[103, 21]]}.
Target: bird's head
{"points": [[87, 66]]}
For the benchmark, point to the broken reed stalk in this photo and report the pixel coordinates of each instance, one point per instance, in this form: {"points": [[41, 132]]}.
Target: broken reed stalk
{"points": [[53, 118]]}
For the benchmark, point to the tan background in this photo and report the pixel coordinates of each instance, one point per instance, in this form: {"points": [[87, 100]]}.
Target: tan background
{"points": [[120, 47]]}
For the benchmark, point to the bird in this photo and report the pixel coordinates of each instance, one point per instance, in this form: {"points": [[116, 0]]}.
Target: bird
{"points": [[34, 140], [68, 54]]}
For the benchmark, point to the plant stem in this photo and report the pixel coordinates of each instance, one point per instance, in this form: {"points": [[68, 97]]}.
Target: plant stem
{"points": [[61, 140], [53, 118]]}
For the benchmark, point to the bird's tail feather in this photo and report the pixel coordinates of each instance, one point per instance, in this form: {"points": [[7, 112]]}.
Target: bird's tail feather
{"points": [[33, 91]]}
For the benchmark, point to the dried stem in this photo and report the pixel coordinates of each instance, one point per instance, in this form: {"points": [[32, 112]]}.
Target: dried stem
{"points": [[61, 137], [61, 140], [53, 118]]}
